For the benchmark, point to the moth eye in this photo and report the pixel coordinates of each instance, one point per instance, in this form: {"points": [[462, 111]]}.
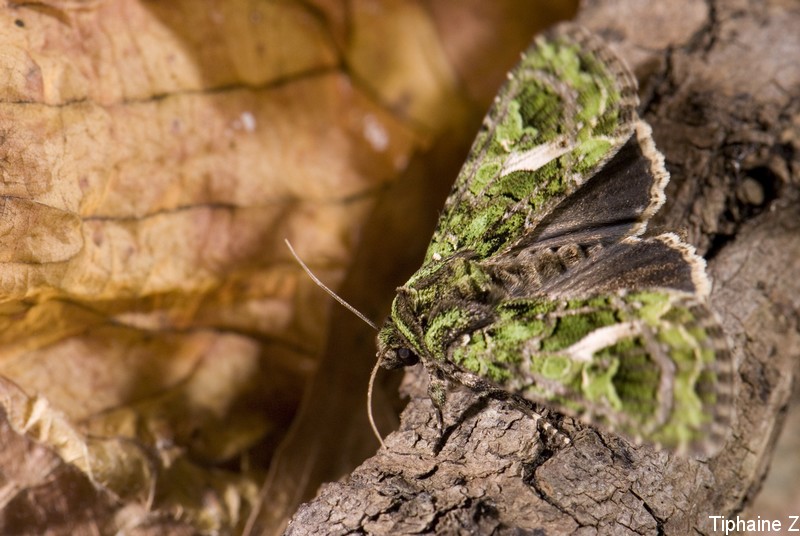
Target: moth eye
{"points": [[406, 357]]}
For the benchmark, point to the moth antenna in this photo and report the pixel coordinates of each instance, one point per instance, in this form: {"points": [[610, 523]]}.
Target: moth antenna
{"points": [[356, 312], [372, 377], [321, 285]]}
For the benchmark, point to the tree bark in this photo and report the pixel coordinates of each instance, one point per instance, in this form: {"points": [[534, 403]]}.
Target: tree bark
{"points": [[720, 85]]}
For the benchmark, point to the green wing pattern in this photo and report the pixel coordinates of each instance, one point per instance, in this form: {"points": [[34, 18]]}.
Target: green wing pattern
{"points": [[565, 110], [648, 364]]}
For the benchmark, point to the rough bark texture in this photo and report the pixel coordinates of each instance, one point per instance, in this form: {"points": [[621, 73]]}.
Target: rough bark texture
{"points": [[720, 85]]}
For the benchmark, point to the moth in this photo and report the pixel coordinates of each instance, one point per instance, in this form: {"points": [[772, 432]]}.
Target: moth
{"points": [[540, 286]]}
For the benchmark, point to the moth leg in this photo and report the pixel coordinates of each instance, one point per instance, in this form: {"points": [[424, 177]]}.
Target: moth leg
{"points": [[437, 391], [483, 388]]}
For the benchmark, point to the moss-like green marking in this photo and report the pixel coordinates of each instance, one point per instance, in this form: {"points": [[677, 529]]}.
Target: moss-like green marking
{"points": [[442, 327], [571, 328], [637, 379], [594, 86], [526, 308], [588, 154], [516, 186], [482, 221], [515, 331], [543, 107], [675, 338], [484, 176], [405, 330], [557, 367], [598, 385], [648, 306], [514, 132], [481, 357]]}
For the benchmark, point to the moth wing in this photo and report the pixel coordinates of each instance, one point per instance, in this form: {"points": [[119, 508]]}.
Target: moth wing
{"points": [[663, 261], [566, 110], [651, 364], [615, 202]]}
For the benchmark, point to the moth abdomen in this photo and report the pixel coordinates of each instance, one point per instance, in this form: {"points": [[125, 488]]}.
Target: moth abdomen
{"points": [[526, 271]]}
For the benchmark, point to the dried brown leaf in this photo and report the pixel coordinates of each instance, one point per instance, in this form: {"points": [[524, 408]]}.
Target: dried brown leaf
{"points": [[156, 336]]}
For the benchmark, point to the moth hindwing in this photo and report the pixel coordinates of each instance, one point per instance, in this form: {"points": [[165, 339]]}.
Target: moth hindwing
{"points": [[538, 284]]}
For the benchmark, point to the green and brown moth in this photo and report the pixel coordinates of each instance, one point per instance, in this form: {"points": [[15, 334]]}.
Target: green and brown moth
{"points": [[539, 287]]}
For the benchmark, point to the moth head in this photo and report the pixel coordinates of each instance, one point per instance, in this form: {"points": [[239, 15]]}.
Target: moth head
{"points": [[393, 350]]}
